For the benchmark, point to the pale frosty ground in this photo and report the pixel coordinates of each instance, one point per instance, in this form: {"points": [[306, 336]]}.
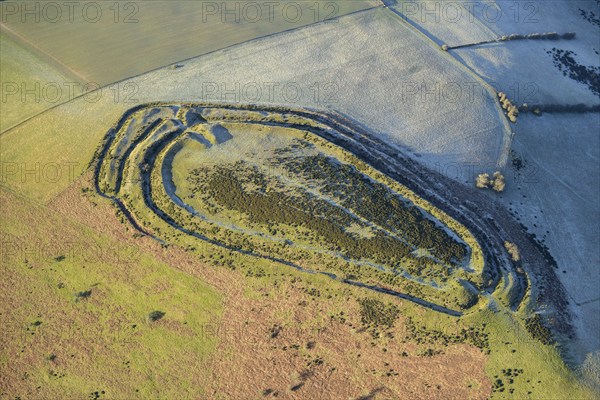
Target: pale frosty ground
{"points": [[371, 66], [561, 184], [559, 189]]}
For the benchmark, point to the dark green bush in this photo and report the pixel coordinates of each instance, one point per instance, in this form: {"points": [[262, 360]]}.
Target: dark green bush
{"points": [[375, 313], [155, 316], [83, 295], [538, 330]]}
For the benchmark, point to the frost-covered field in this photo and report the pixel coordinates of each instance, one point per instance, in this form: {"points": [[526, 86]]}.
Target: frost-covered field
{"points": [[557, 198], [371, 65], [521, 68], [556, 192]]}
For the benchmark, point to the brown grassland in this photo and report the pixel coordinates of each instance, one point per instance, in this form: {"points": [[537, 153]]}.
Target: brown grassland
{"points": [[271, 340]]}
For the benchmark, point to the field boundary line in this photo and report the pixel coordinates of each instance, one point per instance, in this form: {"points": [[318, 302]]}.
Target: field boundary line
{"points": [[507, 137], [19, 38], [256, 39]]}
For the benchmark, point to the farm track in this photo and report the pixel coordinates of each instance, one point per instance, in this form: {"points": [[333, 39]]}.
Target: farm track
{"points": [[490, 223]]}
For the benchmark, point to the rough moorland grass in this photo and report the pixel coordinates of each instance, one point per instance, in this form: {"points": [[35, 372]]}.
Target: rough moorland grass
{"points": [[537, 370], [505, 333], [105, 341], [544, 374]]}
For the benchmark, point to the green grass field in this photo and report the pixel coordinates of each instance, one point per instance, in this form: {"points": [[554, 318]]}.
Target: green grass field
{"points": [[77, 302], [144, 35], [38, 157], [29, 83]]}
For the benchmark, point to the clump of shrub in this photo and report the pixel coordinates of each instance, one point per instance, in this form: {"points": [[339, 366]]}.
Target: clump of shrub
{"points": [[498, 386], [376, 313], [275, 331], [513, 250], [538, 36], [579, 108], [566, 63], [538, 330], [429, 353], [498, 183], [155, 316], [512, 111], [474, 335], [82, 295]]}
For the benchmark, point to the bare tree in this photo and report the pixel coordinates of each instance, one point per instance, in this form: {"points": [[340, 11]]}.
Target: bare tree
{"points": [[511, 109], [513, 112], [482, 181], [498, 183], [513, 250]]}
